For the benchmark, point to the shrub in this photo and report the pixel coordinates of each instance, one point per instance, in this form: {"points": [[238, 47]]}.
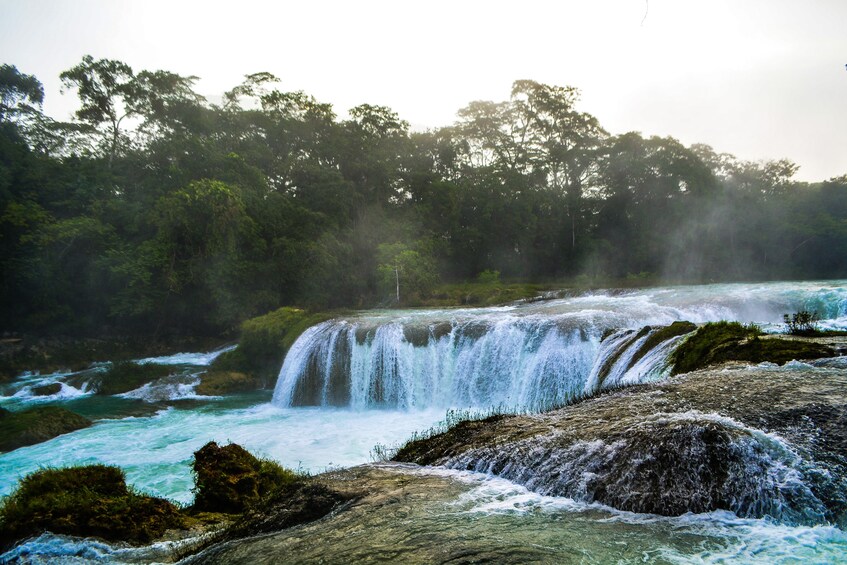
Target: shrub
{"points": [[488, 277], [802, 322]]}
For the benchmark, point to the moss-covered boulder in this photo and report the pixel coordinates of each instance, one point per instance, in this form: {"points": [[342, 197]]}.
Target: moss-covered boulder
{"points": [[230, 479], [217, 383], [28, 427], [265, 341], [87, 501], [126, 376], [719, 342], [47, 390]]}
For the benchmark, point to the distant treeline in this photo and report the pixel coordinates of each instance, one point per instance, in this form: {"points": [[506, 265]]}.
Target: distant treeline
{"points": [[155, 210]]}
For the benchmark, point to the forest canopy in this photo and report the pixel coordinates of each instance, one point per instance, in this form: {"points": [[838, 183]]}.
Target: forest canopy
{"points": [[157, 210]]}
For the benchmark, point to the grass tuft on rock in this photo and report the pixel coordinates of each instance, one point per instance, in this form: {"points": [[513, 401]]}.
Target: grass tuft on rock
{"points": [[92, 500], [28, 427]]}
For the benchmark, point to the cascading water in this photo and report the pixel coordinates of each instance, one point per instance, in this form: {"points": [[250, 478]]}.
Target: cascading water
{"points": [[508, 362], [532, 356]]}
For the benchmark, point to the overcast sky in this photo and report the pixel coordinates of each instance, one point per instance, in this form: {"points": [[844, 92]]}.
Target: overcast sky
{"points": [[762, 79]]}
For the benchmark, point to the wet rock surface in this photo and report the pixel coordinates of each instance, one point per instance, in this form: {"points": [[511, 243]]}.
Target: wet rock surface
{"points": [[762, 441], [398, 514]]}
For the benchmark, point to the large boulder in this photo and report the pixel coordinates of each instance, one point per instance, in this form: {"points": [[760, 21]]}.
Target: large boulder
{"points": [[89, 501], [28, 427], [230, 479], [761, 442]]}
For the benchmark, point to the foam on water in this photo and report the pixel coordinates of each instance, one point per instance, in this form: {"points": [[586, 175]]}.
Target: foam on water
{"points": [[50, 548], [168, 389], [199, 359]]}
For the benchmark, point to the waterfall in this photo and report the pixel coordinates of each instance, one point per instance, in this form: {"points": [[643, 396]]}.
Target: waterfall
{"points": [[512, 363], [525, 357]]}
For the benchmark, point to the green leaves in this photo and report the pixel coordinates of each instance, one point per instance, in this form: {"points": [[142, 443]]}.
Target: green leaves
{"points": [[110, 92]]}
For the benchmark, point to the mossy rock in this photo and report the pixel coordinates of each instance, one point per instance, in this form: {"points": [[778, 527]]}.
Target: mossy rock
{"points": [[217, 383], [47, 390], [719, 342], [230, 479], [428, 449], [265, 340], [28, 427], [661, 335], [126, 376], [89, 501]]}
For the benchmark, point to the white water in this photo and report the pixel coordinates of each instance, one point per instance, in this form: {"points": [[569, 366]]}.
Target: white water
{"points": [[199, 359], [514, 357], [725, 537], [156, 451]]}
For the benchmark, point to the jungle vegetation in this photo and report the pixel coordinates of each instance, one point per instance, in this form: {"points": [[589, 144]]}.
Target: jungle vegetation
{"points": [[157, 211]]}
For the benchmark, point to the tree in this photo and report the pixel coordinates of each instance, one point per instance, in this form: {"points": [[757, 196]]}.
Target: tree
{"points": [[20, 94], [410, 274], [110, 93]]}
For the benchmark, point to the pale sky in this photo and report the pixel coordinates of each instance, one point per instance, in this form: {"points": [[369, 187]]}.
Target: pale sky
{"points": [[761, 79]]}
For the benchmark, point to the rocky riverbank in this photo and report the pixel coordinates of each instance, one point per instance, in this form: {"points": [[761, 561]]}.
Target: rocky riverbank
{"points": [[759, 441]]}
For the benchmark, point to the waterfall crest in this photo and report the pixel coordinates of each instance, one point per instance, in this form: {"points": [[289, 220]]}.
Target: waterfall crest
{"points": [[523, 357], [512, 363]]}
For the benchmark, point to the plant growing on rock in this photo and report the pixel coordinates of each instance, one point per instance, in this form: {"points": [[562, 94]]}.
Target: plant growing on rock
{"points": [[803, 322]]}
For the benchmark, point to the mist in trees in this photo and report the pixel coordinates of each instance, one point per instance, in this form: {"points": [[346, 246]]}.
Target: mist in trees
{"points": [[157, 211]]}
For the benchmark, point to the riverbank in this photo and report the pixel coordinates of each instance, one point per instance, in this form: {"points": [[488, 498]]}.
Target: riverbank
{"points": [[20, 353]]}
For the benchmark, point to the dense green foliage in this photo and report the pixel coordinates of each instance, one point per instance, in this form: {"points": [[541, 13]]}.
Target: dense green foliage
{"points": [[731, 341], [155, 211], [35, 425], [84, 501]]}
